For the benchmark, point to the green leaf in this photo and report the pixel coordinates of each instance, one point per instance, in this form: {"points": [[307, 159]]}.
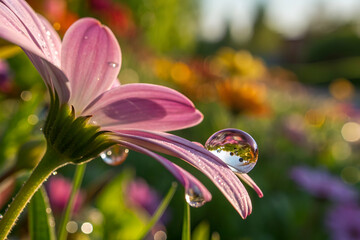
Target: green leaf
{"points": [[186, 223], [41, 221]]}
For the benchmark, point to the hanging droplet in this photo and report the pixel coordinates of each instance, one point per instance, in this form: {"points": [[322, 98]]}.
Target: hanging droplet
{"points": [[54, 173], [115, 155], [113, 64], [234, 147], [194, 197]]}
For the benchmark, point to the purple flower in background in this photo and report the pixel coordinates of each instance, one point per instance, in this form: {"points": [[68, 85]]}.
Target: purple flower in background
{"points": [[5, 85], [139, 194], [59, 190], [322, 184], [81, 70], [343, 222]]}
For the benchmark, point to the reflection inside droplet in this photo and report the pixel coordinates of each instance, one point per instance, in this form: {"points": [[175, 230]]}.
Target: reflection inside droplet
{"points": [[194, 197], [115, 155], [234, 147]]}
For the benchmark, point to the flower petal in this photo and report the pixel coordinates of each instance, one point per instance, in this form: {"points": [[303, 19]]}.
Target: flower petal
{"points": [[20, 25], [183, 176], [205, 161], [91, 59], [248, 180], [143, 106]]}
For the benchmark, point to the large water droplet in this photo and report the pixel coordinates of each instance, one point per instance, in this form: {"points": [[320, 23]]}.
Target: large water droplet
{"points": [[115, 155], [235, 147], [194, 197], [113, 64]]}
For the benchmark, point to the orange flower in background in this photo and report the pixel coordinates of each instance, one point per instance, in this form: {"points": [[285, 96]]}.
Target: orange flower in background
{"points": [[242, 96]]}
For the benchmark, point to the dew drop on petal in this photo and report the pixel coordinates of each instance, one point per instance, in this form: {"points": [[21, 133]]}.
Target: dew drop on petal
{"points": [[115, 155], [194, 197], [113, 64], [235, 148], [86, 37]]}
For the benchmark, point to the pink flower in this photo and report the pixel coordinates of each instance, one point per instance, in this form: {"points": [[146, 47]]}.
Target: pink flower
{"points": [[321, 184], [82, 71], [59, 190]]}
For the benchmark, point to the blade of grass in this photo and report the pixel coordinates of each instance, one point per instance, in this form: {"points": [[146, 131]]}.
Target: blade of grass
{"points": [[78, 176], [41, 222], [159, 211], [186, 222]]}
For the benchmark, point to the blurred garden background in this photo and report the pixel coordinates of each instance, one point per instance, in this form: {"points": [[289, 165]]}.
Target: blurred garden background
{"points": [[286, 72]]}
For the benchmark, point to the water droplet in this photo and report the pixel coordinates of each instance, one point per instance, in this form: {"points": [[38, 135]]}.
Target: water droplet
{"points": [[234, 147], [54, 173], [86, 37], [1, 216], [113, 64], [194, 197], [115, 155]]}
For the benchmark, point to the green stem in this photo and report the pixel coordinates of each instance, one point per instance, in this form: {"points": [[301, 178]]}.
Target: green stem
{"points": [[159, 211], [79, 174], [186, 223], [50, 162]]}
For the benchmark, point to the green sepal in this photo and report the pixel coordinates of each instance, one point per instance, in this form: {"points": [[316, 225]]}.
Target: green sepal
{"points": [[73, 137]]}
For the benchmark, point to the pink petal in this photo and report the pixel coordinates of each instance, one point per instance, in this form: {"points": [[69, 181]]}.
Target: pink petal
{"points": [[20, 25], [91, 59], [184, 177], [248, 180], [199, 157], [143, 106]]}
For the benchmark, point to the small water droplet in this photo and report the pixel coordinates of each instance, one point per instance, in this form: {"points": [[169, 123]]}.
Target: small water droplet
{"points": [[113, 64], [86, 37], [194, 197], [1, 216], [54, 173], [234, 147], [115, 155]]}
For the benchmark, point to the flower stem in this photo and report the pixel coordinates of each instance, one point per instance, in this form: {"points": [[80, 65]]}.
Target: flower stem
{"points": [[186, 223], [50, 162], [79, 174]]}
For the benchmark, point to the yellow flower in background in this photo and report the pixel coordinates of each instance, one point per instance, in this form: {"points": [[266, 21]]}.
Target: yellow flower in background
{"points": [[235, 78], [228, 62]]}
